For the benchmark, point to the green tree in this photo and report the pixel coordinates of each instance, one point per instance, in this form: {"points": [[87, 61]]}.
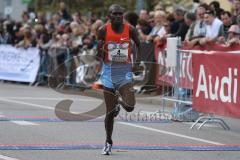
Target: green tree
{"points": [[101, 6]]}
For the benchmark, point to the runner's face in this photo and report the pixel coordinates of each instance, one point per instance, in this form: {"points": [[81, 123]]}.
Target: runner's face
{"points": [[116, 16]]}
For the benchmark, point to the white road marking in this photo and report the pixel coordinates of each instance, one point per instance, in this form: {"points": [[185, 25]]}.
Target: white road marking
{"points": [[25, 123], [29, 104], [171, 133], [22, 123], [7, 158], [50, 99]]}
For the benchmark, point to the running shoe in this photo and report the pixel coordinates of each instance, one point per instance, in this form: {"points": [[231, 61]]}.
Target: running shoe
{"points": [[107, 149]]}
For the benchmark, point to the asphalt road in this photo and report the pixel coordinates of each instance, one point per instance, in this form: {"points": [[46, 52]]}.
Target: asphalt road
{"points": [[28, 120]]}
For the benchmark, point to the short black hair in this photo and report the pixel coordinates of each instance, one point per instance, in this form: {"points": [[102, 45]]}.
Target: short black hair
{"points": [[205, 6], [191, 16], [227, 13], [216, 4], [180, 11], [116, 7]]}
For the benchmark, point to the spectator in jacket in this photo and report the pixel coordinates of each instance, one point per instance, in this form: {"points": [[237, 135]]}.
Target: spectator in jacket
{"points": [[226, 18], [179, 27]]}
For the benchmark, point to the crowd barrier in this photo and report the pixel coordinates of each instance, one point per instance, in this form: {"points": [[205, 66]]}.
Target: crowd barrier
{"points": [[18, 64], [51, 59], [204, 78]]}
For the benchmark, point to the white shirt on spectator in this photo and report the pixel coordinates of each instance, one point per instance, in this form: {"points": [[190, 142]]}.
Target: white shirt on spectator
{"points": [[213, 29], [162, 32], [155, 30], [199, 29]]}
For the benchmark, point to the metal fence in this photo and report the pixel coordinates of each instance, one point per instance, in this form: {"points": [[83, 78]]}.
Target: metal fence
{"points": [[176, 90]]}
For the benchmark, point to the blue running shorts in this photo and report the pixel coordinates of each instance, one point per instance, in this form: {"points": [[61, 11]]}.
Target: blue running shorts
{"points": [[115, 76]]}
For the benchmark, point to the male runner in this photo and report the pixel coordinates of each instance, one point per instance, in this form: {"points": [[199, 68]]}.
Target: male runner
{"points": [[115, 39]]}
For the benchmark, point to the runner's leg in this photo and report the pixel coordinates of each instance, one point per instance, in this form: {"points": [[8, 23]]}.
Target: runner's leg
{"points": [[128, 98], [111, 101]]}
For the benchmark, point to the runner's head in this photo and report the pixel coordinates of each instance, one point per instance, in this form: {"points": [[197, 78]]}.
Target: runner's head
{"points": [[116, 14]]}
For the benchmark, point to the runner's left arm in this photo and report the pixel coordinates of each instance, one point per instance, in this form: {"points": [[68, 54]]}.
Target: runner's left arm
{"points": [[134, 36]]}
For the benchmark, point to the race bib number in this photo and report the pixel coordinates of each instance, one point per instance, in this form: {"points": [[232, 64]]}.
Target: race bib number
{"points": [[118, 52]]}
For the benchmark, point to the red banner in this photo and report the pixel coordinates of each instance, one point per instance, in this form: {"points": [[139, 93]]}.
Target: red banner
{"points": [[186, 79], [167, 75], [164, 73], [216, 83]]}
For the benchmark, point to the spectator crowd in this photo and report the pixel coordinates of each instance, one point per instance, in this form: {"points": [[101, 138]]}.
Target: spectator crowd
{"points": [[204, 23]]}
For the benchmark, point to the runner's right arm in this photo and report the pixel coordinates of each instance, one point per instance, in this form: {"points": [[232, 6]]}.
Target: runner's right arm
{"points": [[101, 41]]}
